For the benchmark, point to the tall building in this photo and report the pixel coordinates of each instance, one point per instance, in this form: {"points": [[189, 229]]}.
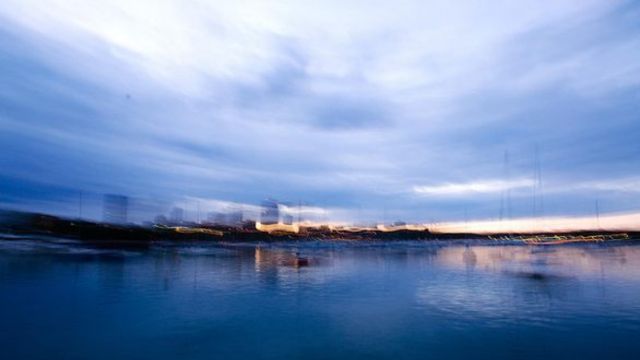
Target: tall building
{"points": [[115, 208], [270, 212]]}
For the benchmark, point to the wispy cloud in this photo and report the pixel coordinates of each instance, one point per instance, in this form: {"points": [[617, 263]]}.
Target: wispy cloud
{"points": [[631, 185], [477, 187]]}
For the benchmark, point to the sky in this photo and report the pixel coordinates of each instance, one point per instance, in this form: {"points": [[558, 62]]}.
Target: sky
{"points": [[420, 111]]}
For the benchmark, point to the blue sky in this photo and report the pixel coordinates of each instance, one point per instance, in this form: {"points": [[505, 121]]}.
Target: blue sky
{"points": [[365, 110]]}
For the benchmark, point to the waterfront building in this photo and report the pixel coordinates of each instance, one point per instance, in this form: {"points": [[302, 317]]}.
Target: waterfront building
{"points": [[270, 212]]}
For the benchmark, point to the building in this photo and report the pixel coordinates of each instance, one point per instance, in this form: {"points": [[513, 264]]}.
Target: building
{"points": [[270, 212], [115, 208]]}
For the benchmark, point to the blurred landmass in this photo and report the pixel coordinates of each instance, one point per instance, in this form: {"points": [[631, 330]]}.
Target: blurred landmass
{"points": [[24, 224]]}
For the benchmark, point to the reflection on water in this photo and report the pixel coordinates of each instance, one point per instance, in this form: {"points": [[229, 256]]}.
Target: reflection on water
{"points": [[566, 260], [355, 300]]}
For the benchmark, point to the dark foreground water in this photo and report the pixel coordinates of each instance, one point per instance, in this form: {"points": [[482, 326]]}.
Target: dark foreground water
{"points": [[409, 300]]}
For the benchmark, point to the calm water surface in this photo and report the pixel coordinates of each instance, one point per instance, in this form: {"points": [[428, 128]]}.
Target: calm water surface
{"points": [[375, 300]]}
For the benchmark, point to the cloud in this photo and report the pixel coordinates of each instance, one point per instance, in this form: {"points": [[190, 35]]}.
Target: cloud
{"points": [[347, 105], [628, 185], [476, 187]]}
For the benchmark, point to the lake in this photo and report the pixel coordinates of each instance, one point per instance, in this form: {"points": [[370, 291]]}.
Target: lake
{"points": [[355, 300]]}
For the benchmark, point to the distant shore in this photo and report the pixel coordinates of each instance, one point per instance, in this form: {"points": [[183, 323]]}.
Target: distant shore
{"points": [[103, 234]]}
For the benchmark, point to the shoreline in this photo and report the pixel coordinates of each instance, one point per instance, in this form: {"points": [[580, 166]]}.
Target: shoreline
{"points": [[34, 224]]}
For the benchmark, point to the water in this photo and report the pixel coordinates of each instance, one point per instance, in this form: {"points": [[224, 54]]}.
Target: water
{"points": [[376, 300]]}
